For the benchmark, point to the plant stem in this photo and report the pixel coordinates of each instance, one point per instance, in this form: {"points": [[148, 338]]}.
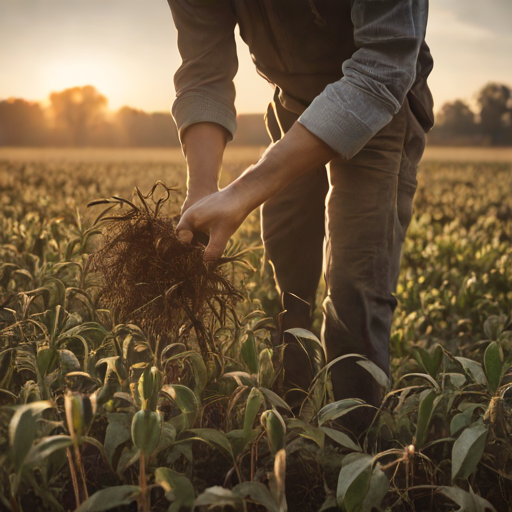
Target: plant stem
{"points": [[82, 472], [73, 476], [143, 504]]}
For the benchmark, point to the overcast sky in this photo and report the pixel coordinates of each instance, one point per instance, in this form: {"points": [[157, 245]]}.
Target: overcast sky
{"points": [[127, 49]]}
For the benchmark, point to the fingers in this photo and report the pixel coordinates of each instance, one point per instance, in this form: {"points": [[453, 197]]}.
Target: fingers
{"points": [[184, 230], [218, 242]]}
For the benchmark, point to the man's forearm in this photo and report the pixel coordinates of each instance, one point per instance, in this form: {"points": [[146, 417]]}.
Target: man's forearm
{"points": [[203, 147], [298, 152], [220, 214]]}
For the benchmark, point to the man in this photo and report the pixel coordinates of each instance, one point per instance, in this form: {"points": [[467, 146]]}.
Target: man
{"points": [[350, 93]]}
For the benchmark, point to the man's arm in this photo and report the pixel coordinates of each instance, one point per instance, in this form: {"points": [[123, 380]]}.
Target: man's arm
{"points": [[203, 147], [377, 78], [204, 109], [342, 119], [220, 214]]}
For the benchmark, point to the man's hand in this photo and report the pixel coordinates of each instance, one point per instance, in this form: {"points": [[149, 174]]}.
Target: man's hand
{"points": [[221, 213]]}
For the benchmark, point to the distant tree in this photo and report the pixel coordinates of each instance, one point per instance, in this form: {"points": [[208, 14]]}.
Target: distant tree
{"points": [[495, 102], [22, 123], [138, 128], [456, 118], [77, 110]]}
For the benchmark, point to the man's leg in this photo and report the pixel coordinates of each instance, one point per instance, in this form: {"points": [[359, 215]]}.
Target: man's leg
{"points": [[293, 228], [369, 208], [293, 222]]}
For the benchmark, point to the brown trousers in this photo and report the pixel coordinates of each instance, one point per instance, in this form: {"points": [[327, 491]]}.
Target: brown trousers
{"points": [[349, 219]]}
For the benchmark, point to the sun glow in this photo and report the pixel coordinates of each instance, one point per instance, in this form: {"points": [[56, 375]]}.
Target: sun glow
{"points": [[87, 71]]}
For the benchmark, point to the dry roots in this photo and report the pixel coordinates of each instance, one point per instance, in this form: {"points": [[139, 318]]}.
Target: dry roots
{"points": [[153, 279]]}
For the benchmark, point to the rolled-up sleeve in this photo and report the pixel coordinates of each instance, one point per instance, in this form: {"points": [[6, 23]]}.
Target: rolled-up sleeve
{"points": [[204, 82], [377, 78]]}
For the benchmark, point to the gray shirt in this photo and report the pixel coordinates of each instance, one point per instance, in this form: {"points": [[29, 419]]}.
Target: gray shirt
{"points": [[344, 66]]}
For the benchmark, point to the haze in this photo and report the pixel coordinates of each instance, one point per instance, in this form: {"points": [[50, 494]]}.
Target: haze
{"points": [[127, 49]]}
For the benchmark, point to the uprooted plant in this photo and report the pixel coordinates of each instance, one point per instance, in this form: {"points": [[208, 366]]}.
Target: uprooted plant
{"points": [[153, 279]]}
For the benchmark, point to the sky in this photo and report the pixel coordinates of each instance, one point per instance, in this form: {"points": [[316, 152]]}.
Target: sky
{"points": [[127, 50]]}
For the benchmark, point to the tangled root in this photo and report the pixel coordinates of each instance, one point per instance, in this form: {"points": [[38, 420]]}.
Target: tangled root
{"points": [[151, 278]]}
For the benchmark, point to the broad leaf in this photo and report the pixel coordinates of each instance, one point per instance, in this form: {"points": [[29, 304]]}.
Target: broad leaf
{"points": [[258, 493], [187, 402], [341, 438], [274, 399], [177, 487], [473, 369], [249, 354], [310, 432], [378, 488], [377, 373], [337, 409], [254, 401], [425, 411], [467, 451], [312, 346], [110, 498], [218, 497], [214, 437], [266, 371], [22, 430], [467, 501], [118, 432], [42, 450], [493, 366], [354, 481]]}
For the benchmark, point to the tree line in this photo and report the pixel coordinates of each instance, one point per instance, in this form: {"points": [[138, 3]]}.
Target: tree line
{"points": [[79, 116]]}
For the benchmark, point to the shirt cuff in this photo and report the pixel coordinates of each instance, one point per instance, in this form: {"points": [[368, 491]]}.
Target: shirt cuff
{"points": [[194, 108], [345, 117]]}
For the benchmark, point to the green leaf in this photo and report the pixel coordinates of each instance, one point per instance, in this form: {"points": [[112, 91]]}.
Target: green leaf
{"points": [[275, 428], [425, 411], [109, 498], [310, 432], [377, 373], [313, 347], [457, 379], [459, 421], [341, 438], [252, 408], [337, 409], [354, 481], [473, 369], [266, 372], [493, 366], [378, 488], [258, 493], [22, 430], [468, 450], [493, 327], [187, 402], [431, 364], [42, 450], [118, 432], [249, 354], [218, 497], [177, 487], [467, 501], [199, 372], [274, 399], [214, 437]]}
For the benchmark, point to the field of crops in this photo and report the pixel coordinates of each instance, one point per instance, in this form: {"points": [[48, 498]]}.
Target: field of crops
{"points": [[103, 411]]}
